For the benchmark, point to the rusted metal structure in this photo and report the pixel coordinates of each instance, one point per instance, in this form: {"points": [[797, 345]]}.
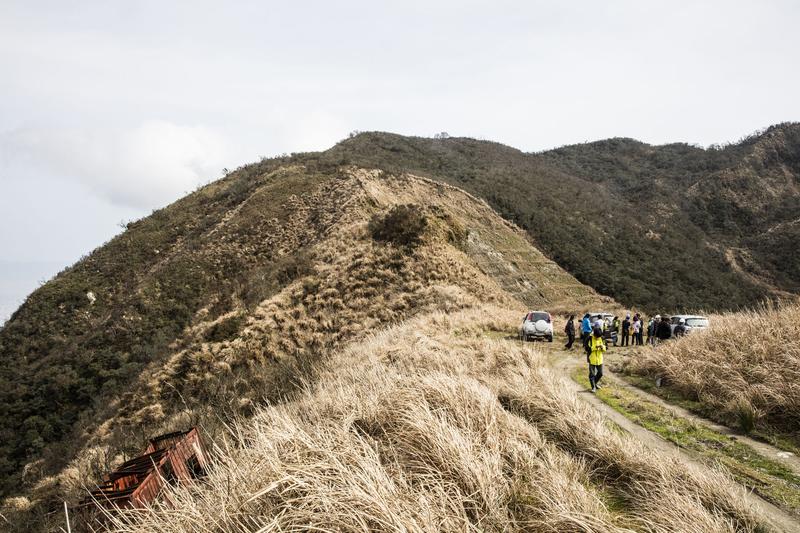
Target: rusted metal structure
{"points": [[169, 459]]}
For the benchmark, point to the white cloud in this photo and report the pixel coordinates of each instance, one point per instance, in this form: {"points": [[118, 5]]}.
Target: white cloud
{"points": [[315, 131], [142, 167]]}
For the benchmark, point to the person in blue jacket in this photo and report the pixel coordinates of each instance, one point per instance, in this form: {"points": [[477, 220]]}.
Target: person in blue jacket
{"points": [[586, 328]]}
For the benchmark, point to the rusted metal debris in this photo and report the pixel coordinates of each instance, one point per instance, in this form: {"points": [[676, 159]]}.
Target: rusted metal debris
{"points": [[168, 460]]}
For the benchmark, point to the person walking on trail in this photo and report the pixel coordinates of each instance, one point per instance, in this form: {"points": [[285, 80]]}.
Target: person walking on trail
{"points": [[626, 330], [663, 330], [570, 331], [680, 328], [586, 327], [615, 328], [595, 349]]}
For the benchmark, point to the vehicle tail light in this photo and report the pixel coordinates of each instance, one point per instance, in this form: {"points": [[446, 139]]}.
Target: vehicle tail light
{"points": [[549, 318]]}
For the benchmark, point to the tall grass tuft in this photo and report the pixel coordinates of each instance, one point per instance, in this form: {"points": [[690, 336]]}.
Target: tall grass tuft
{"points": [[747, 414]]}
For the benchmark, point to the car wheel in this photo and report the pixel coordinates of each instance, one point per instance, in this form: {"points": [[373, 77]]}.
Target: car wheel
{"points": [[549, 338]]}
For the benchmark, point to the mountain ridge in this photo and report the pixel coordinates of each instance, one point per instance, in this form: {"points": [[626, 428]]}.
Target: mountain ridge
{"points": [[672, 211]]}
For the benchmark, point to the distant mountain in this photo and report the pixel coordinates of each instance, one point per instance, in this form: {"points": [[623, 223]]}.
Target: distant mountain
{"points": [[664, 228]]}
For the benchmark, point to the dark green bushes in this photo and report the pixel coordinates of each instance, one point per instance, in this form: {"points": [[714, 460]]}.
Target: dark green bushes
{"points": [[403, 225], [225, 329]]}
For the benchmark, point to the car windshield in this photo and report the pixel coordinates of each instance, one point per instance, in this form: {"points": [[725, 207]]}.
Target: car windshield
{"points": [[535, 317], [697, 322]]}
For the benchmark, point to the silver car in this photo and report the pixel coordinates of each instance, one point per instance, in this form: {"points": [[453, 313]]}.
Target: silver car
{"points": [[692, 322]]}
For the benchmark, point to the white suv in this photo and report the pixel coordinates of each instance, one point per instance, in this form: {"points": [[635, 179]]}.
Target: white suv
{"points": [[692, 322], [536, 325]]}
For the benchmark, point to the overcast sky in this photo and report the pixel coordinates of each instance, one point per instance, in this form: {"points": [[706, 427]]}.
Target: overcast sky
{"points": [[111, 109]]}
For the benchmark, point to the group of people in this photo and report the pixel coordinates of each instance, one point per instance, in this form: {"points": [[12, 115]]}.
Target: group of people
{"points": [[629, 332], [660, 329], [632, 330]]}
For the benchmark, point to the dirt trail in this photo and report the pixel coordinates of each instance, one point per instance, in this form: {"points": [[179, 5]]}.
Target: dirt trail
{"points": [[565, 363]]}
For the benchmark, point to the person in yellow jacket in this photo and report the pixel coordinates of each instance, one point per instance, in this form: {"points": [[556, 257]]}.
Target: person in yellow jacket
{"points": [[595, 349]]}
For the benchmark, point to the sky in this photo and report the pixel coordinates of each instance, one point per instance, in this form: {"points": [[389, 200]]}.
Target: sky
{"points": [[111, 109]]}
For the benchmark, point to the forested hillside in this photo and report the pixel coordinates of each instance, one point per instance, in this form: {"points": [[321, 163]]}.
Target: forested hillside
{"points": [[673, 227]]}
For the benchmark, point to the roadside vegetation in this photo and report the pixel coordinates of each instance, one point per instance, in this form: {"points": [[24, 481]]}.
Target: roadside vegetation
{"points": [[743, 372], [768, 478]]}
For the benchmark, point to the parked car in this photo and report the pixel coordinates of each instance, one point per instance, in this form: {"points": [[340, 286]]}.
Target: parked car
{"points": [[537, 325], [693, 322], [608, 318]]}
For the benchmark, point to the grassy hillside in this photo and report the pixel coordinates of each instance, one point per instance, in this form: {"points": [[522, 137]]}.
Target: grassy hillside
{"points": [[231, 298], [671, 227], [432, 425], [64, 355]]}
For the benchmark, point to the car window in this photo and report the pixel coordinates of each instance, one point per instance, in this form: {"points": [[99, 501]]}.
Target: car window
{"points": [[697, 322], [539, 316], [675, 320]]}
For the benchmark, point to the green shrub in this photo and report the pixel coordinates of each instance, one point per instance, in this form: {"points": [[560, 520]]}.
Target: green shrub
{"points": [[225, 329], [403, 225]]}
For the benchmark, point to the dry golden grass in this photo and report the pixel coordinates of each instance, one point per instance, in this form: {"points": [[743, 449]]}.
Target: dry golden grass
{"points": [[745, 368], [407, 431]]}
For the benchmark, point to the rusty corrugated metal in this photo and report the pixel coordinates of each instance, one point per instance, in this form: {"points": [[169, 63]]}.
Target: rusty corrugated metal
{"points": [[172, 458]]}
